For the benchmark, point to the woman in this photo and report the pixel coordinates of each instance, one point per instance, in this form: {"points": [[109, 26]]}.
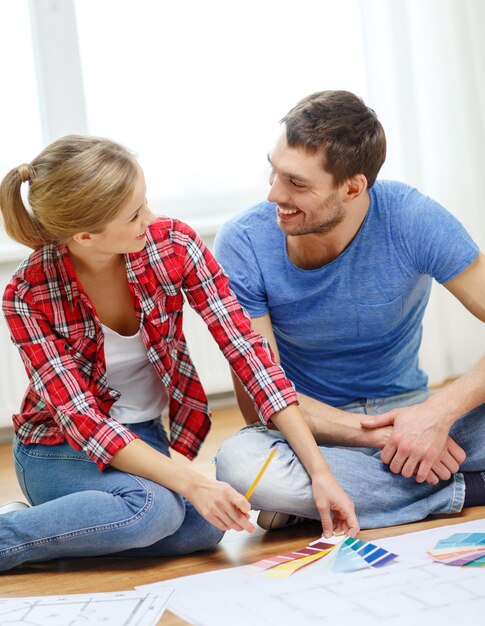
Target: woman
{"points": [[96, 313]]}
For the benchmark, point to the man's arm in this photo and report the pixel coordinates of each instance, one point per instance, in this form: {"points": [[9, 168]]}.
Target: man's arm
{"points": [[328, 424], [332, 426], [420, 431]]}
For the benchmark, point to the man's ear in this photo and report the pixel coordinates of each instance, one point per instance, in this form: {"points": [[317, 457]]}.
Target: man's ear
{"points": [[355, 187], [84, 239]]}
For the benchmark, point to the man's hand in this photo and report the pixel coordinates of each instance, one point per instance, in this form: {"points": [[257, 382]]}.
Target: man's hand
{"points": [[419, 444]]}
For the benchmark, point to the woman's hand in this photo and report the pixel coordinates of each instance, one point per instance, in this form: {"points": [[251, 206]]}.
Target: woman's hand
{"points": [[221, 505], [217, 502], [336, 509]]}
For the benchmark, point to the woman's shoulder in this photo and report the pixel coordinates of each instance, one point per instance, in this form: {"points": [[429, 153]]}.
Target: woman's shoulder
{"points": [[165, 227], [39, 269]]}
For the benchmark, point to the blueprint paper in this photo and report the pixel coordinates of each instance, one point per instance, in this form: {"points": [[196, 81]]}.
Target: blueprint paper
{"points": [[121, 608], [411, 590]]}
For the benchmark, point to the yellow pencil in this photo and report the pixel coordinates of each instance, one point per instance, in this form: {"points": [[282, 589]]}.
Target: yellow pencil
{"points": [[261, 472]]}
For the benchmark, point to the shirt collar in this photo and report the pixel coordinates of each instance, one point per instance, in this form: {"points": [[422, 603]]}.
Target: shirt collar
{"points": [[137, 262], [136, 269], [67, 273]]}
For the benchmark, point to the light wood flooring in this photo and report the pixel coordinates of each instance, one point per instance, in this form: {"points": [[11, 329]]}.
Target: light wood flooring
{"points": [[114, 574]]}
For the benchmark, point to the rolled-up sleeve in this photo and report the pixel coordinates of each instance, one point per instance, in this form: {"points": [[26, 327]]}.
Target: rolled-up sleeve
{"points": [[54, 376], [207, 289]]}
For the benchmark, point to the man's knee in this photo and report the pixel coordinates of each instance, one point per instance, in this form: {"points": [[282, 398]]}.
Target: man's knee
{"points": [[240, 458], [231, 462]]}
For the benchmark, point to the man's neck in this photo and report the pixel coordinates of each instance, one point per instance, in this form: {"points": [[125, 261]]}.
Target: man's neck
{"points": [[315, 250]]}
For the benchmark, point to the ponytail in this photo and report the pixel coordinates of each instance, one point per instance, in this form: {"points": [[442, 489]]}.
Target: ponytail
{"points": [[76, 184], [18, 214]]}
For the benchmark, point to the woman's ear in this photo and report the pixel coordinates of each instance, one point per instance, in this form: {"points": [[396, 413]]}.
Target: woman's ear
{"points": [[83, 239]]}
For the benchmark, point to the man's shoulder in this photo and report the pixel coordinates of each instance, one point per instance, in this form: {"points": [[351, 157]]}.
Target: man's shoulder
{"points": [[401, 202], [256, 220], [392, 190]]}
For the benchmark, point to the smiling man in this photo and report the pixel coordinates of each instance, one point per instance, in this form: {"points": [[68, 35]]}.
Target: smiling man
{"points": [[335, 270]]}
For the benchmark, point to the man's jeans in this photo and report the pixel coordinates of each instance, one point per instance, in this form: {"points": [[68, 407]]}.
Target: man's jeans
{"points": [[381, 498], [79, 511]]}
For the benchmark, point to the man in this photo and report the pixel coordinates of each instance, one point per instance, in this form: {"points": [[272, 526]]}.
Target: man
{"points": [[335, 270]]}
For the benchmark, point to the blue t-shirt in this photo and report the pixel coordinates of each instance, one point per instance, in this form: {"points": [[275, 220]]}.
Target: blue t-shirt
{"points": [[352, 328]]}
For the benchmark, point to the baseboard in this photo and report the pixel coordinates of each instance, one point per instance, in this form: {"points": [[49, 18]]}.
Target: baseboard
{"points": [[6, 434], [222, 400]]}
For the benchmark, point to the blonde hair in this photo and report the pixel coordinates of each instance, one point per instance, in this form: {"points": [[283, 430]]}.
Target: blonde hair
{"points": [[76, 184]]}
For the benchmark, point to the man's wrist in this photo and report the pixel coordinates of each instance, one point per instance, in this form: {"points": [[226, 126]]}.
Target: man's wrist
{"points": [[446, 406], [374, 437]]}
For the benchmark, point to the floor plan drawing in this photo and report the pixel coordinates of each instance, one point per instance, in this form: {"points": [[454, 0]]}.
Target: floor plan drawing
{"points": [[412, 589], [123, 608]]}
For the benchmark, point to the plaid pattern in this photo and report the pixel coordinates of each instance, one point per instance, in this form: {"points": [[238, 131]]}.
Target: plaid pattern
{"points": [[61, 342]]}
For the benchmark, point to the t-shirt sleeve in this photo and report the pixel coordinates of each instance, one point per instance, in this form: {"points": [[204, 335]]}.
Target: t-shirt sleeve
{"points": [[435, 242], [234, 250]]}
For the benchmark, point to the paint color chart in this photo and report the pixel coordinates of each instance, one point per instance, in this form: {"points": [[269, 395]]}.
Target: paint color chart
{"points": [[355, 554], [413, 590], [349, 555], [314, 548], [460, 550]]}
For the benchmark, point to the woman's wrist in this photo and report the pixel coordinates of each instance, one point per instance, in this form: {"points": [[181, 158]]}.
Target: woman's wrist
{"points": [[189, 482], [317, 468]]}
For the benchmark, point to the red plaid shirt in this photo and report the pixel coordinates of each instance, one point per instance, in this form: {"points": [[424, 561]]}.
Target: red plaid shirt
{"points": [[61, 342]]}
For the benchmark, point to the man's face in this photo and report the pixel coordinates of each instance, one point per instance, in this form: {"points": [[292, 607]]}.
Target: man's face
{"points": [[305, 194]]}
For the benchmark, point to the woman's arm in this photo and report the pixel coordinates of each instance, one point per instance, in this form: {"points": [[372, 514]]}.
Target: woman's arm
{"points": [[208, 292], [335, 507], [215, 500], [54, 374]]}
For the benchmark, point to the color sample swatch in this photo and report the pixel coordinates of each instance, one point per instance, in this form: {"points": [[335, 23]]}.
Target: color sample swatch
{"points": [[461, 550], [290, 567], [273, 561], [351, 554], [356, 554]]}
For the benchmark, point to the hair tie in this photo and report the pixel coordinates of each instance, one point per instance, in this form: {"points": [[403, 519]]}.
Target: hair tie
{"points": [[24, 195]]}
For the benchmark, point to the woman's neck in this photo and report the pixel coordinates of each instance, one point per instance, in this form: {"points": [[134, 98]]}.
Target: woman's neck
{"points": [[89, 262]]}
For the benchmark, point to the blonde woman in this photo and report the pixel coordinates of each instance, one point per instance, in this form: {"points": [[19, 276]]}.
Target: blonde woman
{"points": [[96, 313]]}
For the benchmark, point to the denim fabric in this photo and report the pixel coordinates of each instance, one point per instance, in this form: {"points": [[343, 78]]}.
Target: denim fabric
{"points": [[80, 512], [381, 498]]}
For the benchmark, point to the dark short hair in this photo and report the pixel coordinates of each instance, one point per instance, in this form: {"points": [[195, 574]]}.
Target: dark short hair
{"points": [[347, 130]]}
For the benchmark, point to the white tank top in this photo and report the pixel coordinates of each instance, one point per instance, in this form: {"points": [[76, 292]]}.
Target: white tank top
{"points": [[143, 395]]}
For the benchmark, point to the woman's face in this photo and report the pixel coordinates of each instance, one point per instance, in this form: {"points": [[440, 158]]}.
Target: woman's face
{"points": [[127, 231]]}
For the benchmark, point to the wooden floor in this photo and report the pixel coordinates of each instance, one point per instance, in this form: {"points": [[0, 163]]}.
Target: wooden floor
{"points": [[112, 574]]}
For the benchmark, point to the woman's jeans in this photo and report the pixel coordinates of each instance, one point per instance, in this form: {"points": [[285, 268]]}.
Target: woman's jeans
{"points": [[381, 498], [81, 512]]}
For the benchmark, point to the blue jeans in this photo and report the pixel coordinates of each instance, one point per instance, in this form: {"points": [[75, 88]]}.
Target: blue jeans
{"points": [[81, 512], [381, 498]]}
